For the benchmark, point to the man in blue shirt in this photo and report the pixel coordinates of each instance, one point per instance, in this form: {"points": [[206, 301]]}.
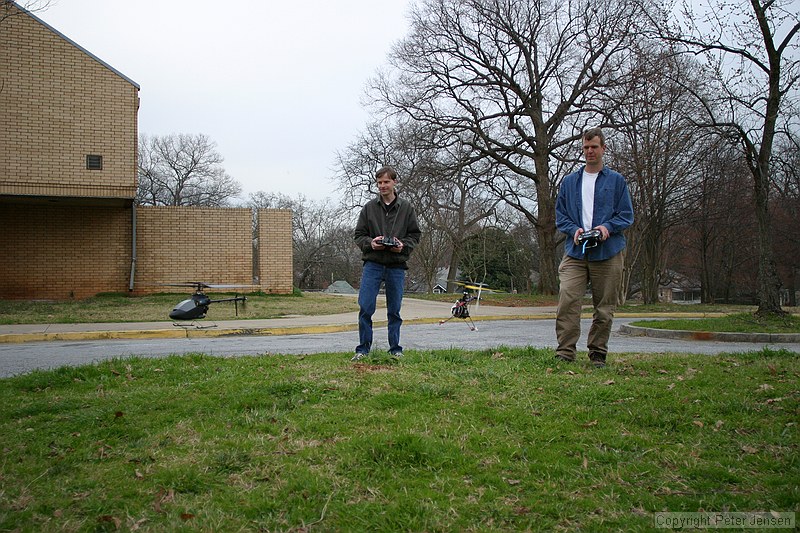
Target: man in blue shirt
{"points": [[592, 198]]}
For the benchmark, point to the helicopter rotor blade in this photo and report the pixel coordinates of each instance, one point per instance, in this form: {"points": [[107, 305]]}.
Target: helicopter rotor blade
{"points": [[193, 284], [474, 286], [203, 285]]}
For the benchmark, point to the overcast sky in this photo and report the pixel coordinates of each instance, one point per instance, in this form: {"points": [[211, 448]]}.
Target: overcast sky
{"points": [[277, 85]]}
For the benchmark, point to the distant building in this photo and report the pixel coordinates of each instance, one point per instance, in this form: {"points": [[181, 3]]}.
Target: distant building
{"points": [[341, 287], [679, 289]]}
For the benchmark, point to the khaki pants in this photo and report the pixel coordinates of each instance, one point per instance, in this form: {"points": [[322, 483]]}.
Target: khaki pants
{"points": [[575, 274]]}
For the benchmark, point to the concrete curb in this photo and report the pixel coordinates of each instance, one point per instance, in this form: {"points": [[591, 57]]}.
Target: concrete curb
{"points": [[15, 338], [767, 338], [188, 333]]}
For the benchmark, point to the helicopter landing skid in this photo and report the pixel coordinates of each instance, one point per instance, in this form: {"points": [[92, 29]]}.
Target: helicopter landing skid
{"points": [[471, 325], [193, 325]]}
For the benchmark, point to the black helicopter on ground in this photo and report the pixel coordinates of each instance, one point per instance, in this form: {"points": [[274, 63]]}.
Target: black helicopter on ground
{"points": [[196, 307]]}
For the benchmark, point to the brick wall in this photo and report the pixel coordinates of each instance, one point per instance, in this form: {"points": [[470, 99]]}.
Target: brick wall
{"points": [[60, 252], [176, 244], [59, 104], [275, 250]]}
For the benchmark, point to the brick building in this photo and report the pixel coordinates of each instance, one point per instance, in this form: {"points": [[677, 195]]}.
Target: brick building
{"points": [[69, 226]]}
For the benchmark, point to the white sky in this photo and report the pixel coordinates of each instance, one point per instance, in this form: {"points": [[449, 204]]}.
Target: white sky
{"points": [[277, 85]]}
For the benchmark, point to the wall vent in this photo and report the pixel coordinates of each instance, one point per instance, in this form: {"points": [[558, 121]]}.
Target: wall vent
{"points": [[94, 162]]}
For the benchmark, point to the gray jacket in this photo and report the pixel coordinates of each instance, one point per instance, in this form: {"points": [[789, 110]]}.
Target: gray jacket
{"points": [[398, 219]]}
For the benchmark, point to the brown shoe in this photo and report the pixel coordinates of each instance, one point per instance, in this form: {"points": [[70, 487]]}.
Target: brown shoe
{"points": [[564, 358], [598, 359]]}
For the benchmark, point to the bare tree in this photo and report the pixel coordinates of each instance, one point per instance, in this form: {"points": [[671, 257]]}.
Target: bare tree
{"points": [[10, 8], [750, 48], [454, 199], [183, 169], [657, 148], [785, 210], [517, 79], [439, 174], [403, 146], [321, 238], [716, 240], [428, 258]]}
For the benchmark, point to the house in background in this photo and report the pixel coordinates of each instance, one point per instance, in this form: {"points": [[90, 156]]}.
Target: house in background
{"points": [[439, 289], [679, 289], [68, 169]]}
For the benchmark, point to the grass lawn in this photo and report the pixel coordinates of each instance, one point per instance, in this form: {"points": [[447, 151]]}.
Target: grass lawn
{"points": [[501, 299], [740, 319], [737, 323], [156, 307], [495, 440]]}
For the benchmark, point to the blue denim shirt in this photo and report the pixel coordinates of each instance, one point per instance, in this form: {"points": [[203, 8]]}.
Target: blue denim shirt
{"points": [[612, 209]]}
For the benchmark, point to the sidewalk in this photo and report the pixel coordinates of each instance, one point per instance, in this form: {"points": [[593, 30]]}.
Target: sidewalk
{"points": [[414, 312]]}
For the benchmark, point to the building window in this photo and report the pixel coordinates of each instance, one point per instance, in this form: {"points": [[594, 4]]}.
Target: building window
{"points": [[94, 162]]}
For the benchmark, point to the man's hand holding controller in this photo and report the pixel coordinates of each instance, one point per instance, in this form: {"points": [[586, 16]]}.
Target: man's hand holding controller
{"points": [[382, 242]]}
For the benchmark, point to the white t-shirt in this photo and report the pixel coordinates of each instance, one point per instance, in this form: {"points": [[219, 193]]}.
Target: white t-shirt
{"points": [[587, 199]]}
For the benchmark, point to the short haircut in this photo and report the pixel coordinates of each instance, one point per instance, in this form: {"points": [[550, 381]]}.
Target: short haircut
{"points": [[591, 133], [392, 173]]}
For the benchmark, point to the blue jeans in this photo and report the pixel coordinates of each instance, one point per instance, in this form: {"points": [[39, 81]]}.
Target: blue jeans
{"points": [[371, 277]]}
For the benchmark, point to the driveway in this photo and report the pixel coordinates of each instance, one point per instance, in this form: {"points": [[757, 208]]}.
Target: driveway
{"points": [[24, 357]]}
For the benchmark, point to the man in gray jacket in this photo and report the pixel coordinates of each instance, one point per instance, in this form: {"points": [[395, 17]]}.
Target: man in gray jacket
{"points": [[387, 232]]}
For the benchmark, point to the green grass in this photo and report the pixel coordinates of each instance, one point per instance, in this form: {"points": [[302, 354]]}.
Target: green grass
{"points": [[501, 299], [632, 306], [156, 307], [738, 323], [495, 440]]}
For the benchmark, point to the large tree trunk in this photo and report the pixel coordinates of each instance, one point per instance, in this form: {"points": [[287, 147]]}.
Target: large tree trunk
{"points": [[548, 261], [769, 284], [546, 233], [455, 262], [651, 268], [706, 275]]}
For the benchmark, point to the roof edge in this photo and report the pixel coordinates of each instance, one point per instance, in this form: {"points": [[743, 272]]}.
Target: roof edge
{"points": [[76, 45]]}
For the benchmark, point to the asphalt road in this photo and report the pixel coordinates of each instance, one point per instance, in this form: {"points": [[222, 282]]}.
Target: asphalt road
{"points": [[25, 357]]}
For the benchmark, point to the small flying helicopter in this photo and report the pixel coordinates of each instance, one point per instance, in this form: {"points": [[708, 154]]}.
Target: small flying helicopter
{"points": [[460, 308], [196, 307]]}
